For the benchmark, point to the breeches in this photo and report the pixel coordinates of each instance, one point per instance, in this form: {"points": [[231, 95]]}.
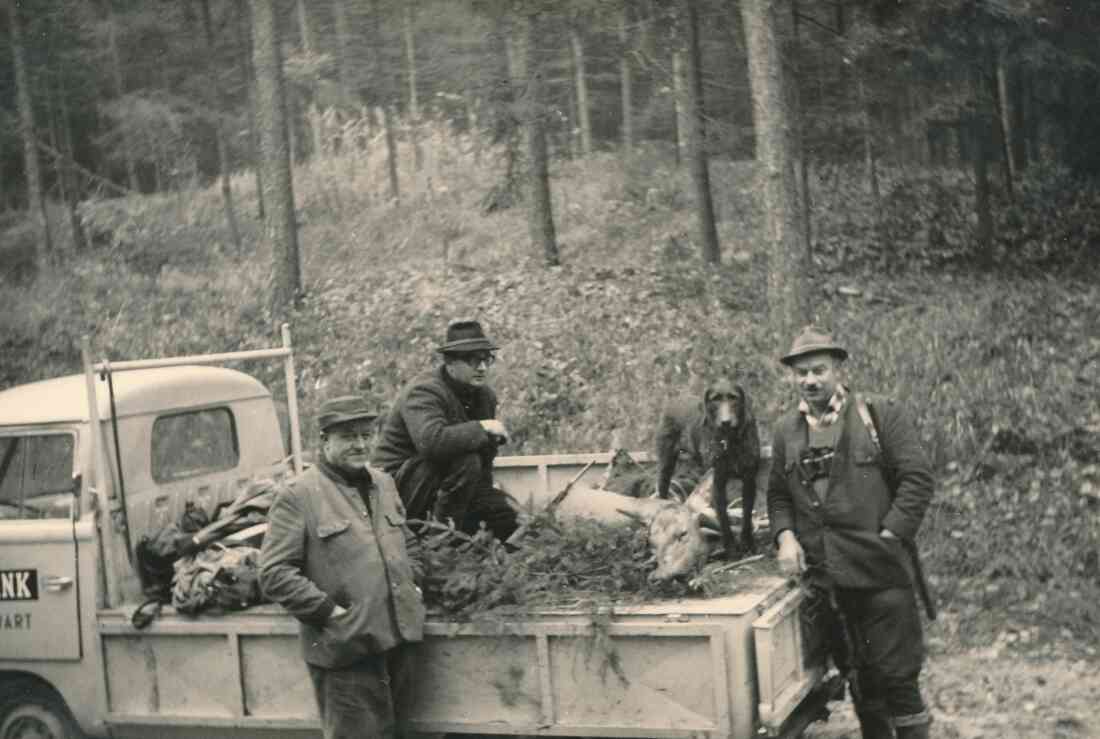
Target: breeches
{"points": [[365, 699], [461, 490], [878, 632]]}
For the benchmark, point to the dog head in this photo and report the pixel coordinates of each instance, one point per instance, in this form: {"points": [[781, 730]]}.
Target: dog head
{"points": [[725, 405]]}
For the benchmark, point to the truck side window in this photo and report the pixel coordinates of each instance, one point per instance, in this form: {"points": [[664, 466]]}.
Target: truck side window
{"points": [[36, 476], [194, 443]]}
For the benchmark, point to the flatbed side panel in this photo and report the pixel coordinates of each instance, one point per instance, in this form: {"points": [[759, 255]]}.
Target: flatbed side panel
{"points": [[654, 679], [212, 671], [272, 688], [790, 661]]}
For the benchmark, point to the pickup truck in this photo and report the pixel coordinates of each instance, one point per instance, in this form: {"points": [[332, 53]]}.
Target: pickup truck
{"points": [[91, 462]]}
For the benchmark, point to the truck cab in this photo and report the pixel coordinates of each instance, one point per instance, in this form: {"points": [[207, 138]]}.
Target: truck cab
{"points": [[167, 436]]}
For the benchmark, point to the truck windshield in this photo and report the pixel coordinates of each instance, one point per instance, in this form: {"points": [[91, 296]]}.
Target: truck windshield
{"points": [[36, 476]]}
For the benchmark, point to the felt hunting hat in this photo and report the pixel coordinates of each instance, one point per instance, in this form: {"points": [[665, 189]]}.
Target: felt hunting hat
{"points": [[465, 336], [335, 411], [812, 341]]}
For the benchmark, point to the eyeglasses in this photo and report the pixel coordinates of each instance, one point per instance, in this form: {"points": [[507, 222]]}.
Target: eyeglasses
{"points": [[476, 360]]}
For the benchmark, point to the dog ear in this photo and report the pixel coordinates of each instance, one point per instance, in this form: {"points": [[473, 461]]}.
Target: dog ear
{"points": [[745, 409]]}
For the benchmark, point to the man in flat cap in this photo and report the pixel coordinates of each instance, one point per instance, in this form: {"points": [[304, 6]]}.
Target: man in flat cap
{"points": [[338, 556], [441, 436], [848, 489]]}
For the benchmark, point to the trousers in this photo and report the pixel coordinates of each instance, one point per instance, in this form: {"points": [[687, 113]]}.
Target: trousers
{"points": [[461, 490], [876, 636], [364, 700]]}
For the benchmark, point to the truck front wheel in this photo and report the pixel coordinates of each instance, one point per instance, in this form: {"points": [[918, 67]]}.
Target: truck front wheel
{"points": [[33, 713]]}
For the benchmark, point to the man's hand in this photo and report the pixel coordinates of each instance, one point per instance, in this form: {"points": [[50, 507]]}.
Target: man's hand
{"points": [[496, 430], [887, 534], [792, 560]]}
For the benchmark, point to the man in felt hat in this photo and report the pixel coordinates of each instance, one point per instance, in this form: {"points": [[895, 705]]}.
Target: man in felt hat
{"points": [[848, 489], [338, 557], [441, 436]]}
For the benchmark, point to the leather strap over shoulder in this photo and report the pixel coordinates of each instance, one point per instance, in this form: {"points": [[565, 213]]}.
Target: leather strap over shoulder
{"points": [[865, 416]]}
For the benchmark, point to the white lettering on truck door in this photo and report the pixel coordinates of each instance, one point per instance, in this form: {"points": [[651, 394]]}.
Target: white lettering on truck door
{"points": [[18, 585]]}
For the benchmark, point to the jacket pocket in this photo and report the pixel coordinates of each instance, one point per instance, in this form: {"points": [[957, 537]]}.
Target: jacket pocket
{"points": [[330, 529]]}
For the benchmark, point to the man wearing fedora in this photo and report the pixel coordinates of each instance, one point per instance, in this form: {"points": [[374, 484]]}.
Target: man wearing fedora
{"points": [[338, 557], [848, 489], [441, 436]]}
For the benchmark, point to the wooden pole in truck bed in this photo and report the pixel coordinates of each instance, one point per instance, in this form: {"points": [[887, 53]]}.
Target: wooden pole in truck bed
{"points": [[98, 485], [292, 402]]}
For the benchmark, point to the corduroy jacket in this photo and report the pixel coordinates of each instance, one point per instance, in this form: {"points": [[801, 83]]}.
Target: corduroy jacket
{"points": [[324, 548], [840, 534]]}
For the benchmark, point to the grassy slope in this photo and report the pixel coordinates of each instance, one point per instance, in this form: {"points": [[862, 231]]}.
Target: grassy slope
{"points": [[594, 346]]}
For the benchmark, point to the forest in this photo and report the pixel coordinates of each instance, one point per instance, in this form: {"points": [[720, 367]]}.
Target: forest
{"points": [[631, 195]]}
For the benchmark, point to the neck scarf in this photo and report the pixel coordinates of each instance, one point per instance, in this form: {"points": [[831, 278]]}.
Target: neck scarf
{"points": [[832, 409]]}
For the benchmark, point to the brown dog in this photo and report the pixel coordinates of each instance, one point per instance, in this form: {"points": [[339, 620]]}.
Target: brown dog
{"points": [[719, 433]]}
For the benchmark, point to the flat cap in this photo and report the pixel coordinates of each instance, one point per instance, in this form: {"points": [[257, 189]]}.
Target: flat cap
{"points": [[343, 409]]}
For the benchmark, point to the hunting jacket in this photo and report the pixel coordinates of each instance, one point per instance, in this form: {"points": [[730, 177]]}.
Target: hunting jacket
{"points": [[325, 548], [840, 533], [686, 444], [436, 418]]}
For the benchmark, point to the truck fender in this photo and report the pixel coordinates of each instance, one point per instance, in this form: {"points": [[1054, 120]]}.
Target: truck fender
{"points": [[30, 706]]}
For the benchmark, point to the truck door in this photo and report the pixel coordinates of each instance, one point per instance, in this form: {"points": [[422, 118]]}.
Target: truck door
{"points": [[38, 570]]}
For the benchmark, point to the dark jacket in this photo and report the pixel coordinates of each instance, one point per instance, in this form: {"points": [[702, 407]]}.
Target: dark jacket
{"points": [[324, 548], [435, 418], [840, 535]]}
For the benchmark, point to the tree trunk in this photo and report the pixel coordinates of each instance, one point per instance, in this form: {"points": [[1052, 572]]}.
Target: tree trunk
{"points": [[869, 163], [343, 54], [775, 125], [679, 109], [280, 228], [979, 139], [36, 199], [625, 82], [248, 72], [540, 216], [414, 99], [1020, 118], [697, 147], [800, 138], [576, 40], [391, 153], [219, 133], [120, 88], [80, 242], [1004, 111], [313, 113]]}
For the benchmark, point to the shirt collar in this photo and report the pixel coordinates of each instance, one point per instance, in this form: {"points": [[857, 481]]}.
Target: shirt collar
{"points": [[362, 480], [832, 409]]}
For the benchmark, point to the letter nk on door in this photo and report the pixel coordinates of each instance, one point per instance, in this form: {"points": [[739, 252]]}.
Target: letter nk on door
{"points": [[18, 584]]}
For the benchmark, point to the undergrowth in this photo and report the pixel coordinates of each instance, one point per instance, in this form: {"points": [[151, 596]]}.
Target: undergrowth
{"points": [[633, 316]]}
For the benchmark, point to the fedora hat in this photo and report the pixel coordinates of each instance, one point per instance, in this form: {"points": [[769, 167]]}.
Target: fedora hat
{"points": [[465, 336], [343, 409], [813, 341]]}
